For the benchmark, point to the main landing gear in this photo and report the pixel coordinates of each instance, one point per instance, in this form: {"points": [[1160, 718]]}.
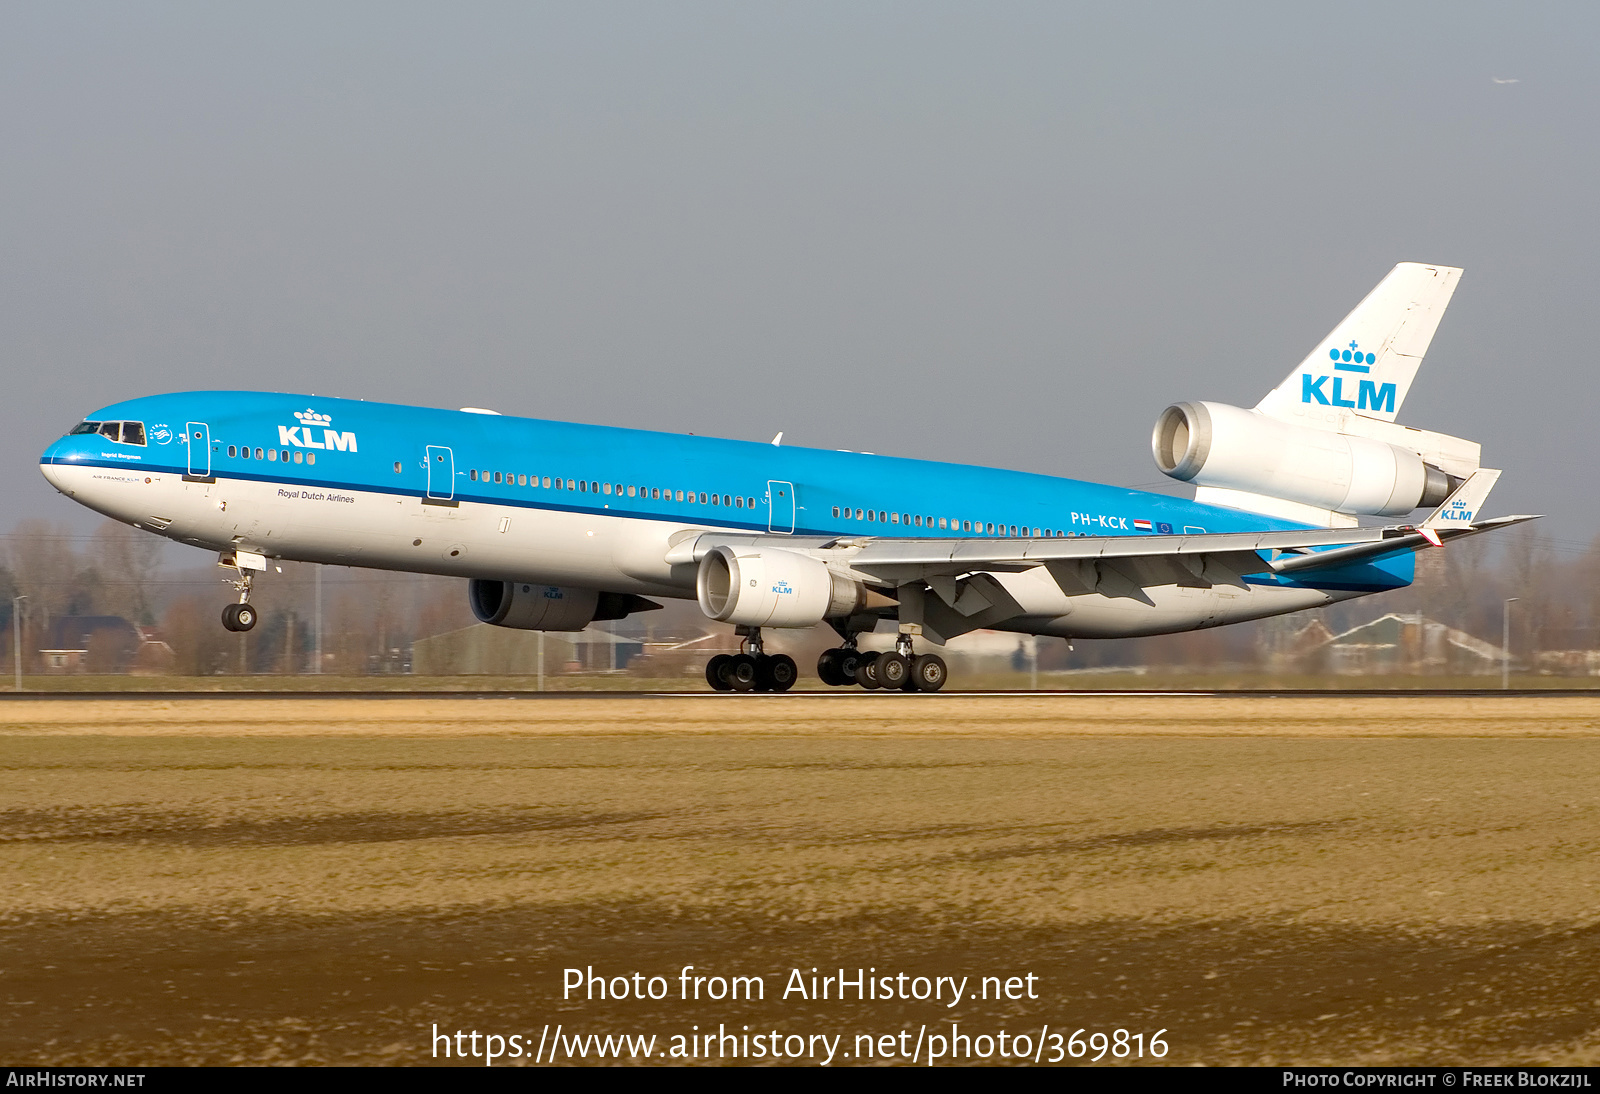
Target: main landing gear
{"points": [[751, 669], [898, 670]]}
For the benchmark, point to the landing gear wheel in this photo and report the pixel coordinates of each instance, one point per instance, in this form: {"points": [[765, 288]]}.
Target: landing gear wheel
{"points": [[892, 671], [778, 673], [238, 617], [845, 663], [742, 672], [929, 672], [716, 670], [867, 671], [828, 668]]}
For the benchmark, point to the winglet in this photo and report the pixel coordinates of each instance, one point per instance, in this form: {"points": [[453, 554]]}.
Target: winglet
{"points": [[1461, 508], [778, 440]]}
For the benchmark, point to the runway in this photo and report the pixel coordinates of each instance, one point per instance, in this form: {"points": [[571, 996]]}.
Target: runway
{"points": [[1311, 879]]}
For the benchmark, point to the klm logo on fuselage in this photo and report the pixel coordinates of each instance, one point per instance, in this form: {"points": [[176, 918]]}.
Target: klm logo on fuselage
{"points": [[301, 435], [1330, 390]]}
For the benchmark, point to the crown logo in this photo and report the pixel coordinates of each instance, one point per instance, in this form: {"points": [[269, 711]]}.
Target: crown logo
{"points": [[1352, 359], [311, 417]]}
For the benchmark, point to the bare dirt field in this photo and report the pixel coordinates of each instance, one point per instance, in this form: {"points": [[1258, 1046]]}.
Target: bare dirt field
{"points": [[1314, 880]]}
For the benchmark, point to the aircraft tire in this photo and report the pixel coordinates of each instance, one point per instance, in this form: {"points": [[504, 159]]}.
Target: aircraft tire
{"points": [[827, 668], [244, 617], [714, 672], [893, 671], [227, 617], [742, 673], [779, 673], [867, 671], [929, 672], [845, 663]]}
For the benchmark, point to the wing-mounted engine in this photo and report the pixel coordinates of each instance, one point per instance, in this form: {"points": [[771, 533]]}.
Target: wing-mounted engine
{"points": [[527, 607], [770, 587], [1226, 447]]}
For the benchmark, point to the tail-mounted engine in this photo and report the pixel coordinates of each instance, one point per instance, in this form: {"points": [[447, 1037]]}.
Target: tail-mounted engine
{"points": [[528, 607], [773, 588], [1213, 444]]}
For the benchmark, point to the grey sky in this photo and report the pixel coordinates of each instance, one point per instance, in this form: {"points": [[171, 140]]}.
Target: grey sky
{"points": [[996, 233]]}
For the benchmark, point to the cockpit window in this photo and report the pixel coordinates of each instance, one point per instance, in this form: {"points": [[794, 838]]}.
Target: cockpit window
{"points": [[121, 432]]}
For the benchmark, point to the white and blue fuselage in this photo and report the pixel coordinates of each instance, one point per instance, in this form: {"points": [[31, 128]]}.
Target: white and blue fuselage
{"points": [[481, 495]]}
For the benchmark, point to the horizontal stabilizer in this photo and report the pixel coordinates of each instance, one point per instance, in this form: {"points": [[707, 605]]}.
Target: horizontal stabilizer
{"points": [[1461, 507]]}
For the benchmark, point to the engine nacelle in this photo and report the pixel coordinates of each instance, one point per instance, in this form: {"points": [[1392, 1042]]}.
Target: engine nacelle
{"points": [[773, 588], [528, 607], [1214, 444]]}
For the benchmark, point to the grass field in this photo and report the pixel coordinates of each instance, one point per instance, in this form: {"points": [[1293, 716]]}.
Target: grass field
{"points": [[1319, 879]]}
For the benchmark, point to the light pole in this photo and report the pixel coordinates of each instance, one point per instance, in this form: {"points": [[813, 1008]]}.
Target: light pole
{"points": [[318, 669], [16, 636], [1505, 642]]}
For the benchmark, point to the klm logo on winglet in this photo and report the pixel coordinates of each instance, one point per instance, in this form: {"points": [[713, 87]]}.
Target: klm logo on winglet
{"points": [[1369, 395], [1458, 511], [300, 435]]}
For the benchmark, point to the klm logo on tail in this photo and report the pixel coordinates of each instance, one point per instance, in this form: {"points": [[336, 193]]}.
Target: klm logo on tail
{"points": [[1369, 395]]}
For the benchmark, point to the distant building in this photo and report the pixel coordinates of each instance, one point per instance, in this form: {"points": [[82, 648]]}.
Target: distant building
{"points": [[1408, 644], [89, 643]]}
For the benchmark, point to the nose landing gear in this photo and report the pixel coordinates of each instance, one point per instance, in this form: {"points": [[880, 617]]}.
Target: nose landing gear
{"points": [[240, 616]]}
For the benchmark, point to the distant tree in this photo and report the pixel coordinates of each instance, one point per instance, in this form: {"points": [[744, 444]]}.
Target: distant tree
{"points": [[190, 627], [127, 562]]}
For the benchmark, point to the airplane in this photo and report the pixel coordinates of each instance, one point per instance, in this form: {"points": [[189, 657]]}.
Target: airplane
{"points": [[557, 525]]}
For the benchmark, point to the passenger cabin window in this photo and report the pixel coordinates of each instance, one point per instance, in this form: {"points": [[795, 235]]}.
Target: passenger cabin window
{"points": [[258, 453], [396, 466], [272, 453], [230, 451], [299, 457], [473, 474]]}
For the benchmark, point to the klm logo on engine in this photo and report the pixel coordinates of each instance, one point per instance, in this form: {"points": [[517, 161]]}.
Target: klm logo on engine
{"points": [[1330, 390], [782, 588], [301, 435]]}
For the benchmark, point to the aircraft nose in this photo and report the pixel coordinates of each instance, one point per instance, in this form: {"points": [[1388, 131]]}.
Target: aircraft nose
{"points": [[49, 460]]}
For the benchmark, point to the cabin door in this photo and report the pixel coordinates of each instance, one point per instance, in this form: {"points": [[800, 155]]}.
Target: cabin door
{"points": [[780, 507], [198, 437], [441, 476]]}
